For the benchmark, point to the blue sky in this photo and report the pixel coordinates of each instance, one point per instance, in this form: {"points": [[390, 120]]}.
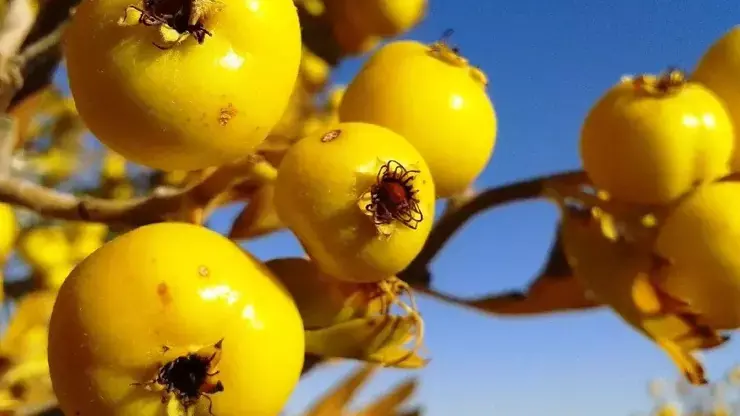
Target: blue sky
{"points": [[547, 62]]}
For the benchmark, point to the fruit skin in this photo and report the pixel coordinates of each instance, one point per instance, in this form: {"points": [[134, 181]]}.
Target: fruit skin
{"points": [[318, 196], [435, 104], [700, 238], [8, 230], [191, 106], [387, 18], [185, 287], [718, 69], [650, 149]]}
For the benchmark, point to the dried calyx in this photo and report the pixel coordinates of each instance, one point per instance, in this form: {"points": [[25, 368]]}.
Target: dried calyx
{"points": [[668, 82], [175, 19]]}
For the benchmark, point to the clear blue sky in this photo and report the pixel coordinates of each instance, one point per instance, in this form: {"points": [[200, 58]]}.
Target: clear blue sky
{"points": [[547, 61]]}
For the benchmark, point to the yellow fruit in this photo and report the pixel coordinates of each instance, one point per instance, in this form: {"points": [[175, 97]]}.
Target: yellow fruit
{"points": [[319, 298], [53, 277], [650, 139], [387, 18], [183, 287], [434, 102], [718, 70], [8, 230], [113, 166], [314, 71], [190, 105], [700, 238], [45, 247], [323, 191]]}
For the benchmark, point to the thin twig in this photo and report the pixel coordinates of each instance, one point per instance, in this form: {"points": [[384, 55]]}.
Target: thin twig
{"points": [[448, 225], [127, 213]]}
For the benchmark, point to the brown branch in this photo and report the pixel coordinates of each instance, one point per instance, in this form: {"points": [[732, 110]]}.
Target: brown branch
{"points": [[181, 205], [418, 273]]}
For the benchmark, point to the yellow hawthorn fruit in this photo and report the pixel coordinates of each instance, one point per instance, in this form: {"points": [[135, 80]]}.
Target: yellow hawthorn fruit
{"points": [[320, 298], [199, 98], [700, 239], [649, 139], [8, 230], [360, 198], [435, 100], [165, 291], [387, 18], [44, 247], [718, 70]]}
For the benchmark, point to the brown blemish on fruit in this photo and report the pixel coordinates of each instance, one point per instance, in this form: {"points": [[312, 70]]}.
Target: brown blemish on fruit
{"points": [[164, 293], [203, 271], [226, 114], [331, 135]]}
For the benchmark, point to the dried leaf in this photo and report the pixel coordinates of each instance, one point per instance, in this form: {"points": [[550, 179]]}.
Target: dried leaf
{"points": [[335, 401], [258, 218], [389, 403]]}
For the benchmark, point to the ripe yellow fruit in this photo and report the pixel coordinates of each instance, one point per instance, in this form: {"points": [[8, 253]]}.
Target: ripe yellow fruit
{"points": [[190, 105], [434, 100], [700, 238], [8, 230], [320, 298], [44, 247], [387, 18], [718, 70], [650, 139], [183, 287], [323, 194]]}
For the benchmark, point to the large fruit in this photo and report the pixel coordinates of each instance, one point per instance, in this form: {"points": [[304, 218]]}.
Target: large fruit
{"points": [[360, 198], [183, 287], [650, 139], [436, 100], [700, 238], [189, 105], [719, 70]]}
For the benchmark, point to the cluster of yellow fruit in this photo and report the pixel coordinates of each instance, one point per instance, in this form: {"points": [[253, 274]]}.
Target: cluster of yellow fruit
{"points": [[175, 316], [658, 240]]}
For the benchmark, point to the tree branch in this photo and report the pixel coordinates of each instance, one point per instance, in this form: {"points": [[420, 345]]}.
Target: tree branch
{"points": [[418, 272], [181, 205]]}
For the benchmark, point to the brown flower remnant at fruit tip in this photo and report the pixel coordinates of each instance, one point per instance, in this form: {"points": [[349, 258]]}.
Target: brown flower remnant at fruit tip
{"points": [[189, 377], [176, 19], [668, 82], [392, 198]]}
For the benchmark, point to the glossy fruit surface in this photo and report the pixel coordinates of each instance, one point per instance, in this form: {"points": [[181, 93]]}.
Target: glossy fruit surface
{"points": [[190, 105], [718, 70], [180, 286], [650, 139], [322, 192], [435, 101], [700, 239], [387, 18]]}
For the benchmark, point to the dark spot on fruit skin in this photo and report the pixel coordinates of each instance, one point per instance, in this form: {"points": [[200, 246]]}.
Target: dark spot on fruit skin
{"points": [[164, 293]]}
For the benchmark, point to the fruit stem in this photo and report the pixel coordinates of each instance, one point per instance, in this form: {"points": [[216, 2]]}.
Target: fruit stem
{"points": [[670, 81]]}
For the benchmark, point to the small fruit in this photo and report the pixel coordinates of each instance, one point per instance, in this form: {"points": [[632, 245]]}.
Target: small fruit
{"points": [[8, 231], [319, 298], [182, 93], [700, 240], [360, 198], [434, 101], [161, 300], [387, 18], [650, 139], [718, 70], [44, 247]]}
